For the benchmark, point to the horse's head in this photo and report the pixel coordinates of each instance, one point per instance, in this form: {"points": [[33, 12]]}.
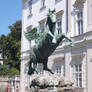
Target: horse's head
{"points": [[51, 21], [51, 16]]}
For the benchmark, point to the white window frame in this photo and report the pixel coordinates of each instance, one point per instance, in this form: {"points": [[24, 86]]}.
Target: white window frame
{"points": [[78, 9], [41, 72], [59, 27], [42, 3], [42, 26], [30, 7], [77, 74], [80, 22], [59, 70]]}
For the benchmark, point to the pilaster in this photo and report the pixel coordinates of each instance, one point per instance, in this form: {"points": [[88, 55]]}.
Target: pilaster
{"points": [[90, 12], [89, 67], [67, 62]]}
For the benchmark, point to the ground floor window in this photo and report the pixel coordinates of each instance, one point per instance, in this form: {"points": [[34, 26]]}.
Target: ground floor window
{"points": [[41, 71], [59, 70], [78, 75]]}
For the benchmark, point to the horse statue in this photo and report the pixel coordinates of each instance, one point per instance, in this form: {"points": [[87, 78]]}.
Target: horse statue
{"points": [[46, 43]]}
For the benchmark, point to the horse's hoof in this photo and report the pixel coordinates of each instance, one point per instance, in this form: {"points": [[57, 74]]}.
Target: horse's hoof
{"points": [[72, 45], [31, 72]]}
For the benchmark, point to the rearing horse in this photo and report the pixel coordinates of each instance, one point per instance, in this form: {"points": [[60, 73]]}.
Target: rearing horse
{"points": [[46, 45]]}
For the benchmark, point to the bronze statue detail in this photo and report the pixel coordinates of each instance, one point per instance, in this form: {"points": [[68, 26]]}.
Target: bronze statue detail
{"points": [[46, 43]]}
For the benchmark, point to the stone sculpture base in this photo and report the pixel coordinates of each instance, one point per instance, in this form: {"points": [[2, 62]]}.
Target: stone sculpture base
{"points": [[50, 83]]}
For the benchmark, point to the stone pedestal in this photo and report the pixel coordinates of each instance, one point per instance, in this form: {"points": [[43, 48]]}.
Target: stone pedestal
{"points": [[50, 83]]}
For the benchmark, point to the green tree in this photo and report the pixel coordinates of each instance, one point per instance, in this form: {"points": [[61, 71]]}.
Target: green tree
{"points": [[10, 48], [15, 31], [3, 46], [4, 70]]}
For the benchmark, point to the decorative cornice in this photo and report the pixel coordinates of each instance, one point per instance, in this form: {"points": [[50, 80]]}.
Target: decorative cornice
{"points": [[42, 21], [81, 39], [59, 13], [80, 55], [29, 27], [58, 59]]}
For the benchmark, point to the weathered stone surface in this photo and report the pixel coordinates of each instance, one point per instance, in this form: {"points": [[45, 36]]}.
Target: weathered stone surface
{"points": [[51, 82]]}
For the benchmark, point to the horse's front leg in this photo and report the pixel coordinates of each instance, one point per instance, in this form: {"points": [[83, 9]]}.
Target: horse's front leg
{"points": [[70, 39], [30, 69], [45, 67], [35, 67]]}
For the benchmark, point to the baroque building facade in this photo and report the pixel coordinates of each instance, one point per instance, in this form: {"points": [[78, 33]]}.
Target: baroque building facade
{"points": [[74, 18]]}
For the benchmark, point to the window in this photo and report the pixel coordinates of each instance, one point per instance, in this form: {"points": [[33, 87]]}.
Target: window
{"points": [[80, 22], [32, 42], [59, 24], [78, 75], [78, 9], [41, 71], [57, 1], [30, 6], [42, 25], [42, 3], [59, 70]]}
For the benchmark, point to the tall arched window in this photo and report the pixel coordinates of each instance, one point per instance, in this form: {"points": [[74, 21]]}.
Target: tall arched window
{"points": [[80, 22], [78, 9], [59, 24]]}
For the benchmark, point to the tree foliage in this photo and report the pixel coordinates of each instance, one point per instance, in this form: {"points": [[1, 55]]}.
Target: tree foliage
{"points": [[10, 49]]}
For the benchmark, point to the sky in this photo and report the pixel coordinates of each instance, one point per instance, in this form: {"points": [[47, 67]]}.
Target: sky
{"points": [[10, 12]]}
